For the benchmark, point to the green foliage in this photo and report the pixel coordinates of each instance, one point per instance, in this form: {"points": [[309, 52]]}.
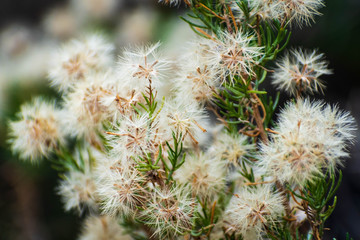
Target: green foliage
{"points": [[64, 161], [348, 237], [205, 11], [273, 41], [204, 220], [270, 105], [175, 155], [150, 105], [209, 214], [316, 197], [247, 172], [146, 164]]}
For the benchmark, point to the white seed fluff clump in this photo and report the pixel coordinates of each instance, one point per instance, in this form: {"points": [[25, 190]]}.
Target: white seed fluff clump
{"points": [[77, 187], [198, 81], [299, 11], [251, 209], [85, 108], [310, 138], [138, 66], [232, 55], [186, 118], [103, 227], [77, 190], [291, 11], [38, 130], [119, 189], [264, 9], [169, 212], [299, 71], [77, 59], [133, 136], [232, 148], [204, 173]]}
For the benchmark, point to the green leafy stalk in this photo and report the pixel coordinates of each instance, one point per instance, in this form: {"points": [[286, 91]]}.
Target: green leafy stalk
{"points": [[175, 155], [316, 198]]}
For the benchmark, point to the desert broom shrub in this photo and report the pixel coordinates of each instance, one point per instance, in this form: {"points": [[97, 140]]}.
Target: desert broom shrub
{"points": [[146, 161]]}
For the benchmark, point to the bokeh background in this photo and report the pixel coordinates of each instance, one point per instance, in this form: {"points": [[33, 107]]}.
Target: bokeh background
{"points": [[31, 30]]}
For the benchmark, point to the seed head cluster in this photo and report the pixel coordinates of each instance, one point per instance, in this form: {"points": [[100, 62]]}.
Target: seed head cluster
{"points": [[299, 71], [251, 209], [38, 131], [311, 138], [294, 12], [155, 146]]}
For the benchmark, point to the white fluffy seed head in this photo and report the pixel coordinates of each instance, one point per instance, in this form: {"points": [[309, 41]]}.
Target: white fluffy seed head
{"points": [[38, 130], [77, 191], [134, 136], [169, 212], [77, 59], [252, 208], [311, 138], [198, 82], [204, 173], [103, 227], [266, 10], [232, 55], [120, 104], [119, 187], [232, 148], [186, 118], [84, 108], [195, 79], [139, 65], [295, 12], [77, 187], [300, 71], [299, 12]]}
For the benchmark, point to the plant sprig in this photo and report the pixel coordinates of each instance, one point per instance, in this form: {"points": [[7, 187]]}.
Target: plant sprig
{"points": [[316, 197], [175, 155]]}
